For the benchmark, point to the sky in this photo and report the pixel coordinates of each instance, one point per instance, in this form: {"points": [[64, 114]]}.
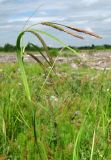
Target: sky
{"points": [[92, 15]]}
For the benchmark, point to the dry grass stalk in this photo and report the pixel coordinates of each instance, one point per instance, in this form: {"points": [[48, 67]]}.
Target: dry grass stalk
{"points": [[44, 46], [41, 54], [36, 59]]}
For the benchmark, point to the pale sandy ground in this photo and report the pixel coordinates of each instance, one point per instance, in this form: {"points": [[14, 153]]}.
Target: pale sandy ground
{"points": [[98, 60]]}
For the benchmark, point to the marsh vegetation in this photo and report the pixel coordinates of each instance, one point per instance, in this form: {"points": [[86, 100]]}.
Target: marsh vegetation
{"points": [[52, 111]]}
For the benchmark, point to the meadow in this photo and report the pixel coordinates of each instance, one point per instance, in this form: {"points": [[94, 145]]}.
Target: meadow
{"points": [[54, 111], [72, 113]]}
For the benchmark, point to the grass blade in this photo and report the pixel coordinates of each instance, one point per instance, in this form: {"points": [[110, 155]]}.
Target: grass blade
{"points": [[92, 149]]}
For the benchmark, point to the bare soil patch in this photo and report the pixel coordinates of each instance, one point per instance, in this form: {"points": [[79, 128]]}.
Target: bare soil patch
{"points": [[99, 60]]}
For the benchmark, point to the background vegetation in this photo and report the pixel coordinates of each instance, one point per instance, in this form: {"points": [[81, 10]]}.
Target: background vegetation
{"points": [[11, 48], [53, 112]]}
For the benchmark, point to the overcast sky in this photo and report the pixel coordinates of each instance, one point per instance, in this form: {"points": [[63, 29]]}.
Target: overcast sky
{"points": [[93, 15]]}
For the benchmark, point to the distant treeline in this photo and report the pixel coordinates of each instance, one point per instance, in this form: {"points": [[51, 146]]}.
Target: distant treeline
{"points": [[11, 48]]}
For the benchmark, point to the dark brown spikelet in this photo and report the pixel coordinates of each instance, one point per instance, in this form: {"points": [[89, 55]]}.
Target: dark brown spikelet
{"points": [[85, 31], [61, 29], [72, 28]]}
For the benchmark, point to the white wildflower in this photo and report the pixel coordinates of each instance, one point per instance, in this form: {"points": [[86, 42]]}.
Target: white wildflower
{"points": [[53, 98]]}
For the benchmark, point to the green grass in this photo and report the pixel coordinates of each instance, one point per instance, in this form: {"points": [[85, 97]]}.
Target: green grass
{"points": [[72, 114], [55, 113]]}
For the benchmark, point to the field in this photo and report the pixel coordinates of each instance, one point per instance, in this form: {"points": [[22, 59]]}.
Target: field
{"points": [[72, 110]]}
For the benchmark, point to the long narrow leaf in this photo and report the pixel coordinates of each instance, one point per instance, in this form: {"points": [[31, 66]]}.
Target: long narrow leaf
{"points": [[21, 65]]}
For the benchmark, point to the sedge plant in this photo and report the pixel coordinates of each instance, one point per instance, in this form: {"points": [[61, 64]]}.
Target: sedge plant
{"points": [[48, 60]]}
